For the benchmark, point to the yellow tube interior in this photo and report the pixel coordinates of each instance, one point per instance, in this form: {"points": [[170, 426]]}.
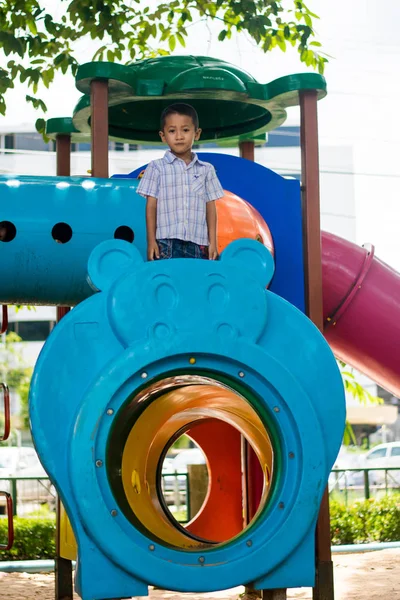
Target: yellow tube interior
{"points": [[173, 410]]}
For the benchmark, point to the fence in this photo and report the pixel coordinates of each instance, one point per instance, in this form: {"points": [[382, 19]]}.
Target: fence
{"points": [[349, 485], [29, 494], [176, 492]]}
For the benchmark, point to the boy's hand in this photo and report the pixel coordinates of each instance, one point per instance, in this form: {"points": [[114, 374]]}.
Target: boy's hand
{"points": [[153, 251], [212, 252]]}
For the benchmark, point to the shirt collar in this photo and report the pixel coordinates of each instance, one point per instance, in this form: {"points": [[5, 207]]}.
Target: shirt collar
{"points": [[169, 156]]}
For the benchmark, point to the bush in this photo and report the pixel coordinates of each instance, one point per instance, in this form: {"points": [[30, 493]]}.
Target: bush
{"points": [[34, 539], [366, 521], [362, 522]]}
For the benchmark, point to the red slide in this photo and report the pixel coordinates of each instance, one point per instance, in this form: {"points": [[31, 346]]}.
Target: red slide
{"points": [[362, 310]]}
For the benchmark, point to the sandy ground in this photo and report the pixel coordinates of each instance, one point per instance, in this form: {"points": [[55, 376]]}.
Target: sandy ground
{"points": [[368, 576]]}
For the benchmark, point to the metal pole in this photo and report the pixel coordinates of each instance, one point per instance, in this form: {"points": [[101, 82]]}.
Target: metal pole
{"points": [[323, 589], [366, 484], [99, 104], [14, 495]]}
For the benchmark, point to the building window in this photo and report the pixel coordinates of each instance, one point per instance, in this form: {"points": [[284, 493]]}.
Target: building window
{"points": [[31, 141], [32, 331], [9, 141], [83, 147]]}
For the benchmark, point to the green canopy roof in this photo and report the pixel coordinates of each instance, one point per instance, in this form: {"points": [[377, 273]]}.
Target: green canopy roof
{"points": [[231, 104]]}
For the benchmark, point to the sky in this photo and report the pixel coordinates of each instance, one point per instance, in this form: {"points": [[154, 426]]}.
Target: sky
{"points": [[360, 111]]}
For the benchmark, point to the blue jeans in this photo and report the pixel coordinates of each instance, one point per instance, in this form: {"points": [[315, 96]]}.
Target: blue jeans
{"points": [[173, 248]]}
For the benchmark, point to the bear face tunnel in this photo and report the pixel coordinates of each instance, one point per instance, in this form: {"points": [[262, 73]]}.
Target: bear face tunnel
{"points": [[201, 347], [166, 348]]}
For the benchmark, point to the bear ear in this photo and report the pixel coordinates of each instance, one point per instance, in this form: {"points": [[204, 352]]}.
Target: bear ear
{"points": [[109, 260], [251, 256]]}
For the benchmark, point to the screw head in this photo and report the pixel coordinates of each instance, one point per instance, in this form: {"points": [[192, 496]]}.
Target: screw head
{"points": [[152, 547], [144, 375], [249, 543], [110, 411], [201, 559], [241, 374], [291, 454], [99, 463], [281, 505], [114, 512], [276, 409], [192, 360]]}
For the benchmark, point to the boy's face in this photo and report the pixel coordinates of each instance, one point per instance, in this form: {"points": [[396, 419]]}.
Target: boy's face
{"points": [[180, 134]]}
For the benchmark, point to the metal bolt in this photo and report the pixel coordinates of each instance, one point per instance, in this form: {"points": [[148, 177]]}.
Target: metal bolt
{"points": [[241, 374], [110, 411], [99, 463], [152, 547], [281, 505], [249, 543], [276, 409], [291, 454], [144, 375], [114, 513], [201, 559], [192, 360]]}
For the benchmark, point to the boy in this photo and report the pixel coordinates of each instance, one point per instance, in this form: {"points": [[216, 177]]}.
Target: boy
{"points": [[181, 218]]}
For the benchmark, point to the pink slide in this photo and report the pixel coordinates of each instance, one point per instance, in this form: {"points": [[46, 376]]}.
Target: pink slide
{"points": [[362, 310]]}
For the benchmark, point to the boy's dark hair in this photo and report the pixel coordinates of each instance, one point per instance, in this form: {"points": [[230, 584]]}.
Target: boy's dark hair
{"points": [[180, 108]]}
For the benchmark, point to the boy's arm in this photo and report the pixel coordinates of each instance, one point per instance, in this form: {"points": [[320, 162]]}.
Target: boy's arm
{"points": [[214, 191], [211, 217], [148, 187], [151, 226]]}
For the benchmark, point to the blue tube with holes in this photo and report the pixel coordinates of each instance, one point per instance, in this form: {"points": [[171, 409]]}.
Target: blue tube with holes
{"points": [[50, 225]]}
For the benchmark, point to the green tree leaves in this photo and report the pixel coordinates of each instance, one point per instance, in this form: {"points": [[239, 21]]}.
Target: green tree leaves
{"points": [[40, 43]]}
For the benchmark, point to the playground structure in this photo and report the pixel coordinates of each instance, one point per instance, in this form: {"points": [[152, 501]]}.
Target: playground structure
{"points": [[172, 347]]}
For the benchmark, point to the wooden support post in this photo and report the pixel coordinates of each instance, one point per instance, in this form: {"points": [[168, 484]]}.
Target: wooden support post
{"points": [[63, 155], [247, 150], [64, 589], [63, 566], [324, 589], [99, 125], [63, 575], [311, 207], [278, 594]]}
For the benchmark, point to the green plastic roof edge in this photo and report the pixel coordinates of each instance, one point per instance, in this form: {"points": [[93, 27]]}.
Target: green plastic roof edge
{"points": [[231, 104], [64, 126]]}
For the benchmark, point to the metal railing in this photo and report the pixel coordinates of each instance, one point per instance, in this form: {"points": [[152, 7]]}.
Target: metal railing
{"points": [[28, 494], [175, 488], [363, 483]]}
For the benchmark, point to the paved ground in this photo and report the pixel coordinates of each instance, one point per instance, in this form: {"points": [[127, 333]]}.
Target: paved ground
{"points": [[368, 576]]}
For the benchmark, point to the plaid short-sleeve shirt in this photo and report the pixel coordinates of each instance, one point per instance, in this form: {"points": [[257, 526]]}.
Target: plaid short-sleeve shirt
{"points": [[182, 192]]}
